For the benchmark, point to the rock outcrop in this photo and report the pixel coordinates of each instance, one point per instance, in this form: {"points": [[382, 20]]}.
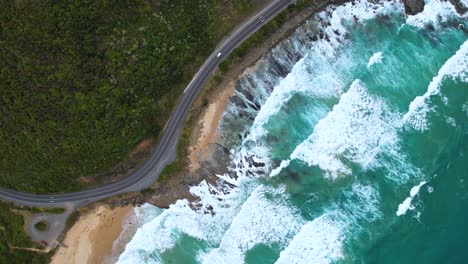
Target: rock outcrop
{"points": [[214, 160], [412, 7], [461, 8]]}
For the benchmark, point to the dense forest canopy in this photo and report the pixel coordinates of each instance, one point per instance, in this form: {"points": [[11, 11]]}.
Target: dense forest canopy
{"points": [[12, 234], [80, 82]]}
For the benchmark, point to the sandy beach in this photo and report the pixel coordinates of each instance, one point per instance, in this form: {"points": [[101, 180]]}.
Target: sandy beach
{"points": [[91, 238]]}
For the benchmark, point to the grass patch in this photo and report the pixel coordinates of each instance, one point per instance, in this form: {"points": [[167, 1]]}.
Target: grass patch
{"points": [[12, 233], [35, 210], [41, 226], [73, 218], [146, 191]]}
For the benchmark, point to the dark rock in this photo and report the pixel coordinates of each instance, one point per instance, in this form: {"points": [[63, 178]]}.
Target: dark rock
{"points": [[461, 9], [412, 7], [258, 105], [430, 27], [248, 95], [255, 106], [237, 101], [216, 161], [278, 68]]}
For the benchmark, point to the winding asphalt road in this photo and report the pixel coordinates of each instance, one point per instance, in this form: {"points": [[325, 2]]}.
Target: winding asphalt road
{"points": [[165, 150]]}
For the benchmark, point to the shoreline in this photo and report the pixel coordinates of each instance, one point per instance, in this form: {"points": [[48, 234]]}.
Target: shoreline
{"points": [[207, 125], [91, 238], [216, 93]]}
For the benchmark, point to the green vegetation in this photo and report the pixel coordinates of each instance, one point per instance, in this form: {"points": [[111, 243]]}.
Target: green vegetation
{"points": [[242, 5], [57, 210], [73, 218], [147, 191], [13, 234], [41, 226], [182, 151], [34, 210], [261, 35], [81, 83]]}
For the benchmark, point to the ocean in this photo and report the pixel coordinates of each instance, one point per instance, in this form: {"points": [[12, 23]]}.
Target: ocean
{"points": [[349, 144]]}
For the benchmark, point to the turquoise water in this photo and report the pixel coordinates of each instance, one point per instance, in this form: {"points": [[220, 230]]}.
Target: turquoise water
{"points": [[360, 150]]}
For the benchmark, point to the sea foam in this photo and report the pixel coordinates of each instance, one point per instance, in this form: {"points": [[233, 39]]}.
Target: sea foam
{"points": [[319, 241], [320, 73], [376, 58], [406, 204], [237, 214], [206, 219], [260, 221], [455, 68], [355, 130], [435, 13]]}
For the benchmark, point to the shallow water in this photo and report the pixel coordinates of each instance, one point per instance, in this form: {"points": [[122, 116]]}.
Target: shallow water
{"points": [[358, 152]]}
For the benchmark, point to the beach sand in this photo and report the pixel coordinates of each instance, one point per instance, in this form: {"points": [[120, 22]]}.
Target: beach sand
{"points": [[208, 124], [91, 238]]}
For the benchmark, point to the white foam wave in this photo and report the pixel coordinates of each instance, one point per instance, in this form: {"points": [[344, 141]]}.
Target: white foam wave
{"points": [[367, 203], [276, 171], [451, 121], [430, 189], [355, 129], [320, 73], [376, 58], [465, 2], [406, 204], [364, 10], [434, 13], [212, 216], [140, 216], [465, 108], [237, 218], [455, 68], [260, 220], [319, 241], [146, 213], [319, 82]]}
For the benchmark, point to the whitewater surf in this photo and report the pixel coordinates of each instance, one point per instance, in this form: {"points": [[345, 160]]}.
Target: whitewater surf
{"points": [[348, 144]]}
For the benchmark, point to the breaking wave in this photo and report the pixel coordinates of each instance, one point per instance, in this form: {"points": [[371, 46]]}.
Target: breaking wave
{"points": [[325, 138]]}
